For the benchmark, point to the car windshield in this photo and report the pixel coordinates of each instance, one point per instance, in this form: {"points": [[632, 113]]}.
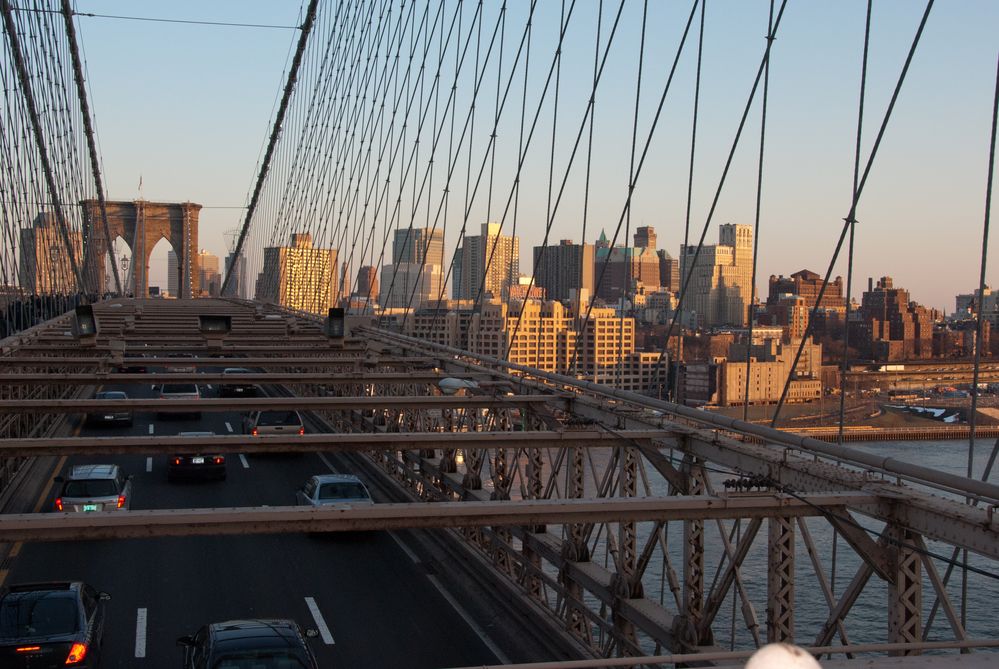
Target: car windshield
{"points": [[278, 418], [111, 395], [260, 660], [343, 490], [90, 488], [38, 614], [180, 388]]}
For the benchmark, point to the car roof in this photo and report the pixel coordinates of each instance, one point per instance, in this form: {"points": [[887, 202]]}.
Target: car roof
{"points": [[80, 472], [43, 586], [196, 434], [236, 370], [234, 635], [336, 478], [111, 394]]}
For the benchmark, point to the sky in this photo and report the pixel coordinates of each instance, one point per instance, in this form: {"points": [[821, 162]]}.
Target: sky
{"points": [[188, 108]]}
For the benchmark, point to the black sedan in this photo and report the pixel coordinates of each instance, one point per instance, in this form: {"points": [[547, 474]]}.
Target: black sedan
{"points": [[272, 644], [51, 626]]}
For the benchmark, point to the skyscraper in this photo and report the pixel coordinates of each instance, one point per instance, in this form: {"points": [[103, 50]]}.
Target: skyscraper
{"points": [[237, 284], [173, 274], [645, 238], [45, 267], [299, 276], [418, 246], [562, 270], [718, 290], [209, 280], [367, 282], [489, 262]]}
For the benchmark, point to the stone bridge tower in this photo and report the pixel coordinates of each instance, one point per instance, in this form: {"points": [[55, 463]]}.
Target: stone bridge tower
{"points": [[141, 224]]}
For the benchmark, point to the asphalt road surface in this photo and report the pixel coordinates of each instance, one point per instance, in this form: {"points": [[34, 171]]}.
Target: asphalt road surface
{"points": [[374, 604]]}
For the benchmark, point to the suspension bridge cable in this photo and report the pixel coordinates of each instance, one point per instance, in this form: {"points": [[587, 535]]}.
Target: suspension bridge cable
{"points": [[851, 216]]}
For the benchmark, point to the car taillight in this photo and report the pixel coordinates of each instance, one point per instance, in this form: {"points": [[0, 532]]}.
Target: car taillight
{"points": [[28, 649], [253, 432], [301, 430], [218, 459], [121, 501], [77, 653], [176, 461], [58, 503]]}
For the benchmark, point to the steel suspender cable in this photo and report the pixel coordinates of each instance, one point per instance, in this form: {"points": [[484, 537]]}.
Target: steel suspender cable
{"points": [[756, 226], [310, 17], [851, 216]]}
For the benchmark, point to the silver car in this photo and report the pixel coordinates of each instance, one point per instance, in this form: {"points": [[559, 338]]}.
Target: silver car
{"points": [[179, 391], [327, 489], [92, 488]]}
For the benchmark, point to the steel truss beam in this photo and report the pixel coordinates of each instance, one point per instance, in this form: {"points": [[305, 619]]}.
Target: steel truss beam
{"points": [[317, 443], [345, 518], [218, 378], [263, 403]]}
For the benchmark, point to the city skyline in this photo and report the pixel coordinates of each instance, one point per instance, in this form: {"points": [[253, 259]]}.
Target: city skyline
{"points": [[910, 200]]}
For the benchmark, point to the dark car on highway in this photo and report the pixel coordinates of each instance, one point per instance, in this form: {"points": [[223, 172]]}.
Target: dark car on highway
{"points": [[237, 389], [51, 625], [249, 644], [197, 465], [115, 416]]}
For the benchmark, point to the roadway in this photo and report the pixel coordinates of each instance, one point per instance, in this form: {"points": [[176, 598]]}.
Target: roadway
{"points": [[381, 606]]}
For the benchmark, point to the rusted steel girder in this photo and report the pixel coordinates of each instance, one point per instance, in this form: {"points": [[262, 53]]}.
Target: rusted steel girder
{"points": [[321, 443], [271, 361], [265, 403], [346, 518], [218, 378]]}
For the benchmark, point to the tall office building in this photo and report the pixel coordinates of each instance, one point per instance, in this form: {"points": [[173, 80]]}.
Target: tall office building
{"points": [[645, 238], [367, 282], [173, 274], [619, 270], [209, 279], [299, 276], [669, 271], [418, 246], [237, 274], [562, 270], [407, 284], [45, 267], [489, 262], [719, 288]]}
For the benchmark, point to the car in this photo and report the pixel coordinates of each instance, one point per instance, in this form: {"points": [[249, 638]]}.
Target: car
{"points": [[281, 421], [113, 416], [198, 465], [327, 489], [263, 643], [92, 488], [51, 625], [237, 390], [180, 369], [179, 391]]}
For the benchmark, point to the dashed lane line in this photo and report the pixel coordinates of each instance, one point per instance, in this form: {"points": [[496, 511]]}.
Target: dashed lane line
{"points": [[151, 428], [228, 426], [140, 633], [149, 464], [242, 459], [324, 631]]}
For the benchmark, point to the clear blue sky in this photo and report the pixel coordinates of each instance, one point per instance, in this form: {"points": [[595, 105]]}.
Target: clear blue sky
{"points": [[189, 107]]}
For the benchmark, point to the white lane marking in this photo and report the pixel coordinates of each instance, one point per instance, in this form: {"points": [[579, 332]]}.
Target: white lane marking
{"points": [[405, 549], [149, 464], [209, 386], [481, 633], [324, 631], [228, 426], [151, 427], [242, 458], [327, 463], [140, 633]]}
